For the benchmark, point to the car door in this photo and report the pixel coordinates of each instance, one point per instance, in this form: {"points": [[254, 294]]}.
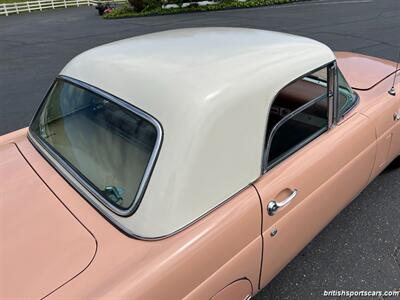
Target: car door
{"points": [[395, 145], [384, 112], [395, 122], [310, 184]]}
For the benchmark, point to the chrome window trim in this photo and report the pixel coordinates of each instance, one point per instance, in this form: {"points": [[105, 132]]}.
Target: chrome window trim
{"points": [[71, 170], [300, 145], [107, 213], [332, 79], [332, 90], [297, 148], [355, 104], [339, 117]]}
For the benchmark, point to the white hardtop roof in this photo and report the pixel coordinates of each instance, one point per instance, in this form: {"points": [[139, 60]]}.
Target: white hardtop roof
{"points": [[211, 89]]}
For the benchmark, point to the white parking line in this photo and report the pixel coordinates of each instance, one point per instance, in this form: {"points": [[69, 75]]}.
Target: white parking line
{"points": [[341, 2], [322, 2]]}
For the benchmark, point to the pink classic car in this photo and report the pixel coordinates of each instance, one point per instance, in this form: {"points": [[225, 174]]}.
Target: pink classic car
{"points": [[189, 164]]}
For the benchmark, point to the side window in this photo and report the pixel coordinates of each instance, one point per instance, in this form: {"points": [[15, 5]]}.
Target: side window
{"points": [[346, 96], [298, 115]]}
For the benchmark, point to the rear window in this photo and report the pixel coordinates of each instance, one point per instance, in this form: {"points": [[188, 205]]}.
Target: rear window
{"points": [[107, 145]]}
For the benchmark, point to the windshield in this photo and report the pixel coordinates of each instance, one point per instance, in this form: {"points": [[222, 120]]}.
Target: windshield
{"points": [[106, 145]]}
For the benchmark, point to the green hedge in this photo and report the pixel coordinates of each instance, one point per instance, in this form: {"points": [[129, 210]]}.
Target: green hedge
{"points": [[12, 1], [128, 12]]}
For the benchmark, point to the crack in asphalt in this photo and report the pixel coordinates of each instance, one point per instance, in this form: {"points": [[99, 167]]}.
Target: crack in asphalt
{"points": [[396, 256]]}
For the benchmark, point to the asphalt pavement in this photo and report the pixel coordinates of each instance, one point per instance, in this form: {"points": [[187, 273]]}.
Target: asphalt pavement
{"points": [[360, 248]]}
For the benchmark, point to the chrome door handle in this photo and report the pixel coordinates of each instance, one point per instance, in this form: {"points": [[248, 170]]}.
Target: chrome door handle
{"points": [[273, 206]]}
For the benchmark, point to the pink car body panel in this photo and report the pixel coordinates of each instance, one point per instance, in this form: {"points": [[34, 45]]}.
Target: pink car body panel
{"points": [[62, 247]]}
